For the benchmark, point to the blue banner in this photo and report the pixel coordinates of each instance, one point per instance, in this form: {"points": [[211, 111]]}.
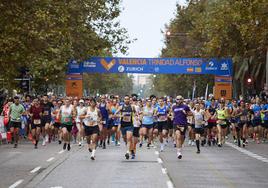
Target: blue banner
{"points": [[221, 67]]}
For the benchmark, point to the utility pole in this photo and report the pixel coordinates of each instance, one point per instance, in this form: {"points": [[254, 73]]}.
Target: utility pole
{"points": [[266, 81]]}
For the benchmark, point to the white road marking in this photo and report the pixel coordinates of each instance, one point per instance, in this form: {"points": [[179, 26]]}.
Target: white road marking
{"points": [[16, 183], [36, 169], [159, 160], [249, 153], [50, 159], [164, 170], [169, 184], [60, 152], [56, 187], [156, 152]]}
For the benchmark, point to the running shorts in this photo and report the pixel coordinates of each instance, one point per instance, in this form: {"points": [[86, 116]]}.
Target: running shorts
{"points": [[136, 132], [180, 128], [90, 130]]}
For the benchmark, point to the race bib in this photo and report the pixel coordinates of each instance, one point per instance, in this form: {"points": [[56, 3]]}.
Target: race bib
{"points": [[127, 118], [37, 121], [199, 122], [66, 120], [180, 128], [103, 122], [162, 118], [46, 113]]}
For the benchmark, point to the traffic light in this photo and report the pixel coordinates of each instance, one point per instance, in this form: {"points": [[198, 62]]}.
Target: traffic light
{"points": [[25, 84], [168, 36]]}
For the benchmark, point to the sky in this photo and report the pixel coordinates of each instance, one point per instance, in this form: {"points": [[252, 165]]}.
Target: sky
{"points": [[144, 20]]}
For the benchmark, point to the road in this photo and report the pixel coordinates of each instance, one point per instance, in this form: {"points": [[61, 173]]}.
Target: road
{"points": [[50, 166]]}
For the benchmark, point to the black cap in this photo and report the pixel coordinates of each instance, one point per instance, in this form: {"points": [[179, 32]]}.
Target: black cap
{"points": [[16, 97]]}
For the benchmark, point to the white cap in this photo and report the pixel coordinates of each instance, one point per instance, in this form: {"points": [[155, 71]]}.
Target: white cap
{"points": [[81, 101]]}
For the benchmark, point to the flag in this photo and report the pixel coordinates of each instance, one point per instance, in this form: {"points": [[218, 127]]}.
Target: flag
{"points": [[206, 93], [194, 88]]}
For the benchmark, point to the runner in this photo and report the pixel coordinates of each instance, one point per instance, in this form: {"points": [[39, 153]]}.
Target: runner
{"points": [[191, 125], [105, 115], [136, 124], [162, 126], [66, 115], [256, 121], [221, 112], [36, 115], [80, 109], [16, 111], [242, 125], [198, 125], [265, 118], [57, 121], [126, 126], [147, 114], [46, 119], [211, 128], [180, 112], [114, 121], [92, 119]]}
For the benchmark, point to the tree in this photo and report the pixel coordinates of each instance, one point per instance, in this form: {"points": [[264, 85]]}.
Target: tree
{"points": [[44, 35]]}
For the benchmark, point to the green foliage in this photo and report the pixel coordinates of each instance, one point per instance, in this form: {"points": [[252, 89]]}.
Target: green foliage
{"points": [[44, 35], [120, 84], [222, 28]]}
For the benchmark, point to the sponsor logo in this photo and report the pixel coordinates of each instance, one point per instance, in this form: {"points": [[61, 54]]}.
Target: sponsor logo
{"points": [[107, 65], [198, 69], [90, 64], [190, 70], [121, 68], [211, 66], [224, 66]]}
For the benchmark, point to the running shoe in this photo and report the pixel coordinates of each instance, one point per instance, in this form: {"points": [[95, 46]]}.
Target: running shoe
{"points": [[140, 145], [127, 156], [179, 155], [189, 142], [133, 156], [68, 147], [44, 142], [35, 146], [92, 157], [193, 143], [80, 144], [15, 145], [198, 151], [64, 146], [59, 142]]}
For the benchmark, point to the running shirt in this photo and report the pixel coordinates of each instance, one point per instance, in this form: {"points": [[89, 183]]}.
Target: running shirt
{"points": [[180, 118], [198, 118], [47, 108], [244, 115], [136, 119], [265, 107], [127, 113], [92, 117], [66, 114], [113, 109], [16, 112], [148, 115], [36, 112], [104, 112], [212, 111], [162, 113], [221, 114], [257, 111], [80, 111]]}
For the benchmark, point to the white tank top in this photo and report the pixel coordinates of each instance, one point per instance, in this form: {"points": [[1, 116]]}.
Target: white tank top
{"points": [[92, 119], [80, 111]]}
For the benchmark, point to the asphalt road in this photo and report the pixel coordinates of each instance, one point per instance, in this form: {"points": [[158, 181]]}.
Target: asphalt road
{"points": [[49, 166]]}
